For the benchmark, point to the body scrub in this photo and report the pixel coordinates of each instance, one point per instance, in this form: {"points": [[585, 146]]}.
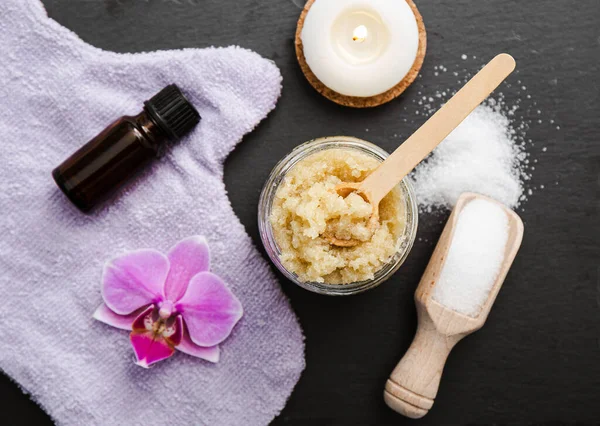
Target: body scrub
{"points": [[299, 213], [306, 209]]}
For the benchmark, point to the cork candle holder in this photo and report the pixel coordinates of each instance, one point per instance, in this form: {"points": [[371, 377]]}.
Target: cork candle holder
{"points": [[360, 54]]}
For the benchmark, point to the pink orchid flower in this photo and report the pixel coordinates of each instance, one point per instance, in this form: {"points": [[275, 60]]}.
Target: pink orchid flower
{"points": [[169, 302]]}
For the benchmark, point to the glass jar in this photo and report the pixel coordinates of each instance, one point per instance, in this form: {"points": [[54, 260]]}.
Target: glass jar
{"points": [[276, 178]]}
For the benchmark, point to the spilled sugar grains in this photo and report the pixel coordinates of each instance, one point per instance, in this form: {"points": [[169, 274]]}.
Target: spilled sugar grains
{"points": [[481, 155], [474, 259], [488, 153]]}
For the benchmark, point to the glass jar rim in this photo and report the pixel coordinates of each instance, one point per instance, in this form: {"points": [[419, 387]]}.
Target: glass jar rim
{"points": [[277, 176]]}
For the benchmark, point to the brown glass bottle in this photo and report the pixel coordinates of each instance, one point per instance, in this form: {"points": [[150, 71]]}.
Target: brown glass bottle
{"points": [[123, 149]]}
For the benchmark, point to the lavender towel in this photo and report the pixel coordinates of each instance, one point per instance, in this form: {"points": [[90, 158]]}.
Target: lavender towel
{"points": [[56, 92]]}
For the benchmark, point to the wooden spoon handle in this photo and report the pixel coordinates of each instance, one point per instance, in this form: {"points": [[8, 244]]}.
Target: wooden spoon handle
{"points": [[414, 383], [435, 130]]}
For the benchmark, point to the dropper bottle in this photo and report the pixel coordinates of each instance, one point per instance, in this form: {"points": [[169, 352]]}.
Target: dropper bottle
{"points": [[103, 165]]}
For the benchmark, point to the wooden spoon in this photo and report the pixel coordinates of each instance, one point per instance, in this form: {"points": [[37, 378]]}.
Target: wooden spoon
{"points": [[425, 139], [413, 384]]}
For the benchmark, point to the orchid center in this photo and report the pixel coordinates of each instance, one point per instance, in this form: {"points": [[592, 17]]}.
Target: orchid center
{"points": [[166, 309], [165, 327]]}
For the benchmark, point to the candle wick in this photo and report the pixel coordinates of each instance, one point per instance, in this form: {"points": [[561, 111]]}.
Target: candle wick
{"points": [[360, 33]]}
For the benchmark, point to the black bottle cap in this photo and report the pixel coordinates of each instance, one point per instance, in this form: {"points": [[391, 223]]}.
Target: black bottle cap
{"points": [[172, 111]]}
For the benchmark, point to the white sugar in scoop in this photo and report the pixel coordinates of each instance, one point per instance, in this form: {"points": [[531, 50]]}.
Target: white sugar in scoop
{"points": [[455, 295], [474, 258]]}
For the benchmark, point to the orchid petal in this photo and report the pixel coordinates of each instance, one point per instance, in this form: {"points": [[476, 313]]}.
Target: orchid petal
{"points": [[133, 280], [188, 347], [177, 326], [150, 349], [124, 322], [150, 345], [187, 258], [210, 310], [144, 320]]}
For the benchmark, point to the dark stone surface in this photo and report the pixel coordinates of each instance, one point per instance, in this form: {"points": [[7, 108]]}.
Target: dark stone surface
{"points": [[537, 360]]}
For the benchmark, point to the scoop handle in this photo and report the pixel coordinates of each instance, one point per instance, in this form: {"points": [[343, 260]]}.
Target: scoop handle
{"points": [[413, 385], [435, 130]]}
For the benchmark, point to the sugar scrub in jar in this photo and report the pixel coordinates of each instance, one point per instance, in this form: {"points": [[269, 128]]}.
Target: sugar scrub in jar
{"points": [[300, 212]]}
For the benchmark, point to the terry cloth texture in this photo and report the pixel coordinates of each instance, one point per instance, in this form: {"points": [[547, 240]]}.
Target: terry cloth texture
{"points": [[56, 93]]}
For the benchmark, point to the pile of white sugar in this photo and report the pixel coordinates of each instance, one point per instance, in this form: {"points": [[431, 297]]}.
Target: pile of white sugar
{"points": [[474, 258], [481, 155]]}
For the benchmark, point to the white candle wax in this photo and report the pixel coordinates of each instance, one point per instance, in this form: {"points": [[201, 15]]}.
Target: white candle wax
{"points": [[358, 47]]}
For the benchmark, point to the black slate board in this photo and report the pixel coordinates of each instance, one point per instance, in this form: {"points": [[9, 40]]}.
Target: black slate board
{"points": [[537, 360]]}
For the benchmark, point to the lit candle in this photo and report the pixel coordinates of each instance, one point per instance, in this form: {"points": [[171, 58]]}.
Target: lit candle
{"points": [[360, 48]]}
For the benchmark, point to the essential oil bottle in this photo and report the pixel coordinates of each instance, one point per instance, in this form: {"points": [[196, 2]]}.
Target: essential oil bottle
{"points": [[103, 165]]}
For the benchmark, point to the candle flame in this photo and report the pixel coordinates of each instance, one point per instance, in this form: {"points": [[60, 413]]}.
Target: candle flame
{"points": [[360, 33]]}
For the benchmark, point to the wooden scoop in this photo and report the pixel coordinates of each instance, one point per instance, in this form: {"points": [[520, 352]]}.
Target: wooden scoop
{"points": [[425, 139], [413, 384]]}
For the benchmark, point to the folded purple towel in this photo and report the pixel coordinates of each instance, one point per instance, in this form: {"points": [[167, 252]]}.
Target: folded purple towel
{"points": [[57, 92]]}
